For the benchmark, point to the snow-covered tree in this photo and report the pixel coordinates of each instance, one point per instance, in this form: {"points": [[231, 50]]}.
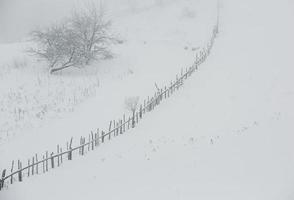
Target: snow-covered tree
{"points": [[77, 41]]}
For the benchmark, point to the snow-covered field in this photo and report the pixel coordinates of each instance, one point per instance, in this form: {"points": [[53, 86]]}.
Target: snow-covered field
{"points": [[227, 134], [150, 53]]}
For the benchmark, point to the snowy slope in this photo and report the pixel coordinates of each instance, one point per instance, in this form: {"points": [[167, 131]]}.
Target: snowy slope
{"points": [[228, 134], [158, 42]]}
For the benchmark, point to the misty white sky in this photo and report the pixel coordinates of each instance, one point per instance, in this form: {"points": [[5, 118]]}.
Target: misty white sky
{"points": [[17, 17]]}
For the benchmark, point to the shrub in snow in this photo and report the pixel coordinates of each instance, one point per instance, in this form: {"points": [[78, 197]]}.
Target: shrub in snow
{"points": [[132, 103], [77, 41]]}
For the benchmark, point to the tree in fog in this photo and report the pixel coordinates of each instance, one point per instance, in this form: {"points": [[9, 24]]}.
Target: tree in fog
{"points": [[93, 31], [77, 41]]}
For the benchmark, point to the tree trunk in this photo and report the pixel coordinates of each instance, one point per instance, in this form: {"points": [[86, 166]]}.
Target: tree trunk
{"points": [[59, 68]]}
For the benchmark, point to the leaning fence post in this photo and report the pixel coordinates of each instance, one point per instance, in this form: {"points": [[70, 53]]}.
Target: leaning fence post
{"points": [[46, 161], [11, 178], [2, 179], [37, 165], [33, 165], [19, 171], [80, 148], [97, 138], [70, 150], [133, 119], [52, 160], [141, 112], [129, 123], [29, 167], [58, 160], [92, 137], [113, 130], [102, 136], [43, 164], [121, 127], [117, 128], [61, 155], [89, 142], [137, 117], [124, 121]]}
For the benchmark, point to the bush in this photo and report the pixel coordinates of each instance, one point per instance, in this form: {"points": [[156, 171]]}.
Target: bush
{"points": [[77, 41], [131, 103]]}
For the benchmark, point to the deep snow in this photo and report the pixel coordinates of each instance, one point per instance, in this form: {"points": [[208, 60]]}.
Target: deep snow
{"points": [[227, 134], [152, 53]]}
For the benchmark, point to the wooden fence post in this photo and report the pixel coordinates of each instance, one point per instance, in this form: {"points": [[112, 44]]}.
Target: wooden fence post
{"points": [[61, 159], [151, 103], [102, 136], [43, 164], [12, 166], [81, 143], [58, 160], [33, 165], [141, 112], [124, 122], [46, 161], [92, 138], [164, 92], [133, 119], [129, 123], [89, 142], [116, 129], [19, 171], [29, 167], [52, 160], [80, 148], [37, 165], [97, 138], [83, 146], [2, 179], [120, 127], [70, 150], [113, 130]]}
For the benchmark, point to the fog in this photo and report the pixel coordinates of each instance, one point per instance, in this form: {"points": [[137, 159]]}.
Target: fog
{"points": [[18, 17]]}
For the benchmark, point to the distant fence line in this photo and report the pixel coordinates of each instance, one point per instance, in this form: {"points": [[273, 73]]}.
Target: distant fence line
{"points": [[37, 165]]}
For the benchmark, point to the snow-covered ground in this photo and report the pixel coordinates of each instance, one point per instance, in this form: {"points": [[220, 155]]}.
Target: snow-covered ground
{"points": [[158, 42], [227, 134]]}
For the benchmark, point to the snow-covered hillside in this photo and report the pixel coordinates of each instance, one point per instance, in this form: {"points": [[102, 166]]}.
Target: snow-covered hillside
{"points": [[227, 134], [156, 46]]}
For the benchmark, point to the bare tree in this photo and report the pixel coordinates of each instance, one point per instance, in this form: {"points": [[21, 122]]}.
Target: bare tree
{"points": [[78, 40], [92, 29], [57, 45]]}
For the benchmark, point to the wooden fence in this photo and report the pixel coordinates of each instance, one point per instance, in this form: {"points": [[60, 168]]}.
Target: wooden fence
{"points": [[50, 160]]}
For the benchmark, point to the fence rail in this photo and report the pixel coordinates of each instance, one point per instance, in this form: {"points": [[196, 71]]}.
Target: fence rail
{"points": [[116, 128]]}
